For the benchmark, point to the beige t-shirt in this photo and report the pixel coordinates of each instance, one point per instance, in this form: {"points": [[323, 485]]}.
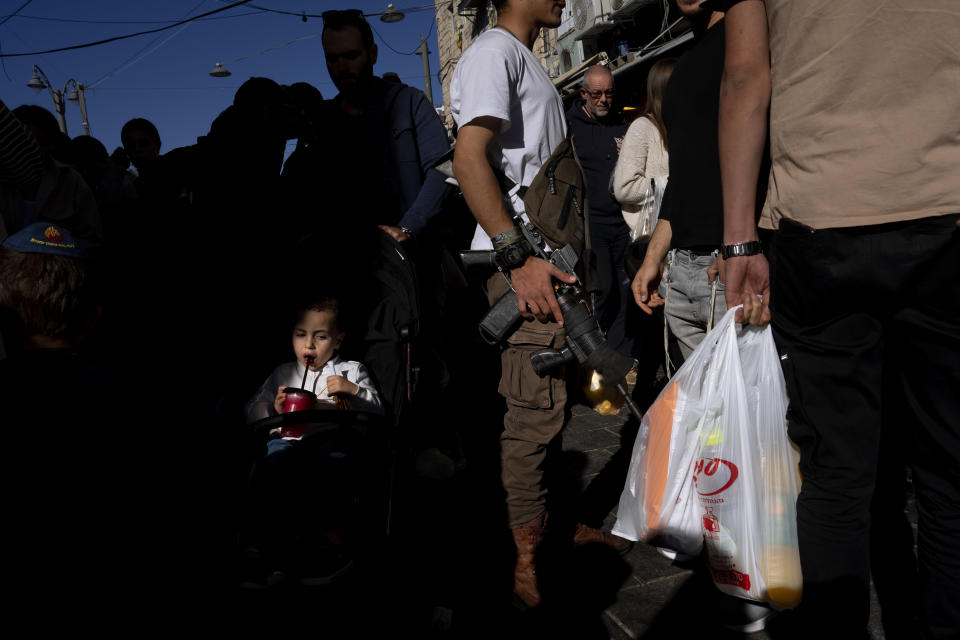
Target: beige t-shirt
{"points": [[865, 111]]}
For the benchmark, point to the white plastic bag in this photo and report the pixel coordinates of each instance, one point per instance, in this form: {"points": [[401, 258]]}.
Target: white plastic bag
{"points": [[732, 481], [746, 474], [658, 504]]}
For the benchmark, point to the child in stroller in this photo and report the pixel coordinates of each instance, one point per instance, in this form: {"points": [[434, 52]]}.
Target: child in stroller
{"points": [[305, 487]]}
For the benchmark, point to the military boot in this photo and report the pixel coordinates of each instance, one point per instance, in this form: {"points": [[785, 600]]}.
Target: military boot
{"points": [[527, 538]]}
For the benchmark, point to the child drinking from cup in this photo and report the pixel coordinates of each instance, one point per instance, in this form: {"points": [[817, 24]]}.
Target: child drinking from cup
{"points": [[318, 370]]}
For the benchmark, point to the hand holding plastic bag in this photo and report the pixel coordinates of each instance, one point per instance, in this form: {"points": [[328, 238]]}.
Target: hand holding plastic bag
{"points": [[712, 464]]}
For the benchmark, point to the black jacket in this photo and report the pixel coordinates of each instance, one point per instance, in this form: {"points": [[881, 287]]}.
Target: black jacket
{"points": [[598, 145]]}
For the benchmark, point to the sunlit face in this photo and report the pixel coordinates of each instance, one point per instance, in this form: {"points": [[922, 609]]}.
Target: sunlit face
{"points": [[598, 94], [316, 338], [349, 62], [549, 12]]}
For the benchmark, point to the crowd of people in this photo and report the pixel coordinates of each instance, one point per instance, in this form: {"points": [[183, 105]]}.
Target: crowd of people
{"points": [[158, 298]]}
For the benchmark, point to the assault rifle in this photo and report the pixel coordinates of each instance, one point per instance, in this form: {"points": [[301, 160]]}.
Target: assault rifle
{"points": [[584, 342]]}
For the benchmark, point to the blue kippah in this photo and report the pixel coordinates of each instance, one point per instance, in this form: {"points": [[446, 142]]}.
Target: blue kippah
{"points": [[45, 237]]}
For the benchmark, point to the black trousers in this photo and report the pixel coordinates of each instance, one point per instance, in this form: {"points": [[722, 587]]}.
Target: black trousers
{"points": [[629, 330], [851, 308]]}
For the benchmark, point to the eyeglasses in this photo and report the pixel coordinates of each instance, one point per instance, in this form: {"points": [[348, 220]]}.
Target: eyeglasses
{"points": [[333, 14], [596, 95]]}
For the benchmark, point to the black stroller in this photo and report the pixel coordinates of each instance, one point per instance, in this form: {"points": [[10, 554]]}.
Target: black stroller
{"points": [[352, 454]]}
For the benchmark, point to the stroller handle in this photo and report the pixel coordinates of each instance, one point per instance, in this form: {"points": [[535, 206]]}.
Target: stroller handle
{"points": [[327, 419]]}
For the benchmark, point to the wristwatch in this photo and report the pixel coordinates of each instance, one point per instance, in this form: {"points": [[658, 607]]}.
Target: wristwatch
{"points": [[739, 249], [514, 254]]}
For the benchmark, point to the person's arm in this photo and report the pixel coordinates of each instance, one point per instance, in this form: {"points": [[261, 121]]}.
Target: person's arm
{"points": [[647, 280], [263, 403], [367, 396], [744, 100], [432, 143], [631, 186], [533, 280]]}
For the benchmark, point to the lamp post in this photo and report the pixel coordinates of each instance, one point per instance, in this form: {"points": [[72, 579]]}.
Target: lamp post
{"points": [[394, 15], [77, 96], [40, 81], [425, 56]]}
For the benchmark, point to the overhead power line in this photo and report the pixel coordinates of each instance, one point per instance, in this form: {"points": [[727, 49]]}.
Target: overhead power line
{"points": [[129, 35], [85, 21], [403, 53], [19, 9], [303, 14], [147, 49]]}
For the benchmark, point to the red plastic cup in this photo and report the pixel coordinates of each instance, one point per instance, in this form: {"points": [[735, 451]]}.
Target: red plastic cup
{"points": [[297, 400]]}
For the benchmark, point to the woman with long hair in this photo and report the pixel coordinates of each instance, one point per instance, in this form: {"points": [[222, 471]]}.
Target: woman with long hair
{"points": [[643, 154]]}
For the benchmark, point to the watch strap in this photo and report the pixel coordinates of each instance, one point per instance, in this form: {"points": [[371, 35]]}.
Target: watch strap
{"points": [[740, 249], [505, 239]]}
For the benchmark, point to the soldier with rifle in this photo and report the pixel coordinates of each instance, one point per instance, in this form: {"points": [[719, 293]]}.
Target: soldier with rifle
{"points": [[515, 165]]}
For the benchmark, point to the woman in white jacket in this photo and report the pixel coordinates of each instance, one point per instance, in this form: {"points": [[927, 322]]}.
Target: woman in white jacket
{"points": [[643, 154]]}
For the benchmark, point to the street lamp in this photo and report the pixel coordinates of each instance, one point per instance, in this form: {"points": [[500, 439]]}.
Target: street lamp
{"points": [[40, 81], [77, 96], [38, 85], [391, 15], [219, 71]]}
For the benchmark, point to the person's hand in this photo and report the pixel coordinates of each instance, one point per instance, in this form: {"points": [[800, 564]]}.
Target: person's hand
{"points": [[396, 233], [717, 270], [280, 399], [748, 283], [340, 385], [645, 285], [536, 297]]}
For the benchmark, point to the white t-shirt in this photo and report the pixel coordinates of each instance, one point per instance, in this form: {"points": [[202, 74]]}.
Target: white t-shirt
{"points": [[498, 76]]}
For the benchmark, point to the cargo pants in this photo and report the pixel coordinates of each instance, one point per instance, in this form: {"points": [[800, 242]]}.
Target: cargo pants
{"points": [[535, 412]]}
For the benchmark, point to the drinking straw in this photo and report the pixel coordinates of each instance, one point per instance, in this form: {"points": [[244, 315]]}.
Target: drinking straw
{"points": [[306, 368]]}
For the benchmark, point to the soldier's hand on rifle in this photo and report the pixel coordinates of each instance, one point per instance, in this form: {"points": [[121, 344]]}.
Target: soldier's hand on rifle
{"points": [[536, 296]]}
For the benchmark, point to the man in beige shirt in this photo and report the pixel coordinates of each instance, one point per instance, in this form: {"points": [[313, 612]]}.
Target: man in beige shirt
{"points": [[864, 289]]}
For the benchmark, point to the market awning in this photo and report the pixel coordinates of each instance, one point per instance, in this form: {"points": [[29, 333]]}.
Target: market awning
{"points": [[572, 76], [653, 53]]}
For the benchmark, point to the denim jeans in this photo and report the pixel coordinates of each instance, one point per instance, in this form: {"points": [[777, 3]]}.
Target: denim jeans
{"points": [[689, 294]]}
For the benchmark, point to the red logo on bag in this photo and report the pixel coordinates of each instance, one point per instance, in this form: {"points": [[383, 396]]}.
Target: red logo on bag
{"points": [[714, 475], [732, 577], [711, 525]]}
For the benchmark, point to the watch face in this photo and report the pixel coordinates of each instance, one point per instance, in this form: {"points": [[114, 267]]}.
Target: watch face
{"points": [[515, 255]]}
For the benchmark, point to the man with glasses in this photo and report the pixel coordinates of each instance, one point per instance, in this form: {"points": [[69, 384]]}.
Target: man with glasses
{"points": [[598, 131]]}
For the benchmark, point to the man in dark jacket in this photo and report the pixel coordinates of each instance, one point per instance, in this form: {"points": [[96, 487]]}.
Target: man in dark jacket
{"points": [[380, 138], [598, 131]]}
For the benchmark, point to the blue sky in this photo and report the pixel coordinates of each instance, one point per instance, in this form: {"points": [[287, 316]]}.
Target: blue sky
{"points": [[164, 76]]}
